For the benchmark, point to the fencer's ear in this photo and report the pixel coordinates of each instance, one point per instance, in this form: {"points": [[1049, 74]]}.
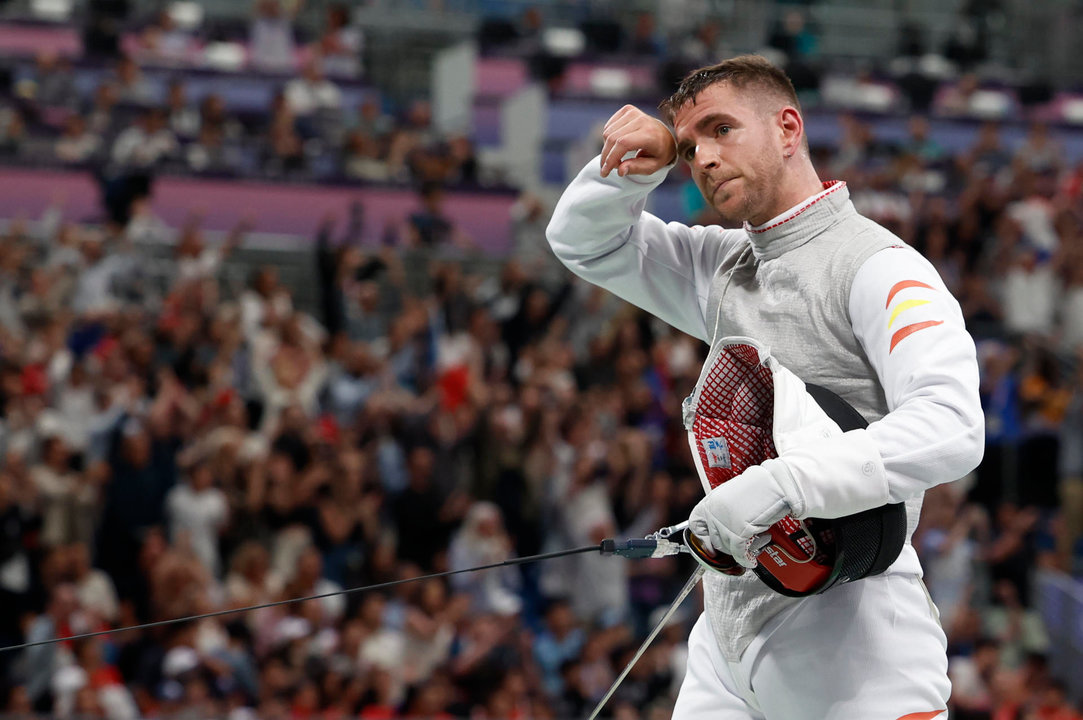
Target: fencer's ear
{"points": [[791, 127]]}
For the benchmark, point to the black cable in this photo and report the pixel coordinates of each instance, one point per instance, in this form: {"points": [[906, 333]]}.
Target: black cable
{"points": [[347, 591]]}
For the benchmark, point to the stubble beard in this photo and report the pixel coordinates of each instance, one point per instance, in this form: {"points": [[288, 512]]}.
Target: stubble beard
{"points": [[760, 196], [738, 216]]}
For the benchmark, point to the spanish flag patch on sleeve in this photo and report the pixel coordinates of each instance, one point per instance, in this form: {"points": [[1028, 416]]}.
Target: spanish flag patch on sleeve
{"points": [[908, 301]]}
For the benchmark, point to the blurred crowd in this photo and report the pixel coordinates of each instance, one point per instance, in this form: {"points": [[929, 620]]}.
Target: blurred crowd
{"points": [[171, 452], [135, 122]]}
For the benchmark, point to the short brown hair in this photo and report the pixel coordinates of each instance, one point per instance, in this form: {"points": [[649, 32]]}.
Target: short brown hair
{"points": [[742, 72]]}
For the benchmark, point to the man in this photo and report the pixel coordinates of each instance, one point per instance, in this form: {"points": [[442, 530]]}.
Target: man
{"points": [[842, 303]]}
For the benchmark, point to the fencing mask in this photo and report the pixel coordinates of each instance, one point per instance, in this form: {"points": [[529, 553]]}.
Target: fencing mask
{"points": [[731, 424]]}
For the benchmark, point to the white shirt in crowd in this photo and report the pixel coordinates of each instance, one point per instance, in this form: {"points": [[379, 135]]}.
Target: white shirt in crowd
{"points": [[200, 515], [1030, 299], [97, 594], [306, 97], [94, 289], [135, 147], [201, 267], [1071, 308]]}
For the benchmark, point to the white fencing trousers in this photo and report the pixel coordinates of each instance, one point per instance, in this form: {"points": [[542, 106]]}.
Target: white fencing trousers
{"points": [[866, 650]]}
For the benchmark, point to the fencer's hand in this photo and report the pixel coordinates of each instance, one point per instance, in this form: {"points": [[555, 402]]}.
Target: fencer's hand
{"points": [[632, 130], [733, 516]]}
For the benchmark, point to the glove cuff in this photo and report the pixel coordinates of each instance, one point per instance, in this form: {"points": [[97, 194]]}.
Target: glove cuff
{"points": [[763, 492], [838, 476]]}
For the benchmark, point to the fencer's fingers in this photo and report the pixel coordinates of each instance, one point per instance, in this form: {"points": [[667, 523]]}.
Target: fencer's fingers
{"points": [[705, 543], [759, 543], [697, 523], [614, 150], [621, 115], [610, 158], [615, 117], [621, 126], [640, 166], [607, 148]]}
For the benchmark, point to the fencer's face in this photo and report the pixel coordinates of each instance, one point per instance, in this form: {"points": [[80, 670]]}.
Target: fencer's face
{"points": [[734, 145]]}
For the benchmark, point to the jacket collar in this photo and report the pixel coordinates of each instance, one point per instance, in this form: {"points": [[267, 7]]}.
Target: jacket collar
{"points": [[801, 223]]}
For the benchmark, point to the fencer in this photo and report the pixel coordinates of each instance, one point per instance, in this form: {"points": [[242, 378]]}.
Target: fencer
{"points": [[837, 300]]}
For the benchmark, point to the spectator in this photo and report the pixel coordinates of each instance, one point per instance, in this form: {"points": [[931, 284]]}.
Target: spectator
{"points": [[284, 151], [101, 115], [371, 119], [644, 39], [183, 119], [312, 93], [482, 540], [948, 542], [210, 154], [289, 368], [77, 144], [430, 227], [1018, 631], [197, 514], [308, 580], [213, 114], [61, 618], [559, 643], [54, 84], [793, 37], [703, 44], [341, 45], [363, 158], [93, 587], [972, 679], [164, 41], [12, 130], [430, 630], [132, 86], [147, 143], [69, 502], [94, 290], [1030, 291], [197, 262], [422, 516], [250, 580], [270, 38], [1040, 151]]}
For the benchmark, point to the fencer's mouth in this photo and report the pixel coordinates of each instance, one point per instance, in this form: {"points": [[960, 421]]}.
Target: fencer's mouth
{"points": [[721, 184]]}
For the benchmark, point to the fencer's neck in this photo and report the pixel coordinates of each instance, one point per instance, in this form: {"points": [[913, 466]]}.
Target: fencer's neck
{"points": [[800, 223]]}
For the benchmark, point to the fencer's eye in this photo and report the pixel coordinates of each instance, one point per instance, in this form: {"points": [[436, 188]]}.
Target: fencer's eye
{"points": [[689, 153], [723, 130]]}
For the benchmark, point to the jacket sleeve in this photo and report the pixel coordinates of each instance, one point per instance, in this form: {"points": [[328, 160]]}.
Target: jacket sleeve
{"points": [[913, 334], [601, 232]]}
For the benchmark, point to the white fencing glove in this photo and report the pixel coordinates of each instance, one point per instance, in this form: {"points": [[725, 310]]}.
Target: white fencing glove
{"points": [[819, 472], [732, 516]]}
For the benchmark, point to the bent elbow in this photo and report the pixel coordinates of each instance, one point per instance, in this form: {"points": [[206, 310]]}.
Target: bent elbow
{"points": [[967, 447], [973, 444]]}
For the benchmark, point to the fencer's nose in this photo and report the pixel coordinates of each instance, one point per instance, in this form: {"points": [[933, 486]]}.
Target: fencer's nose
{"points": [[706, 157]]}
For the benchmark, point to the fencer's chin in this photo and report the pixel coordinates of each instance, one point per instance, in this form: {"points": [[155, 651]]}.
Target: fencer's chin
{"points": [[731, 217], [732, 207]]}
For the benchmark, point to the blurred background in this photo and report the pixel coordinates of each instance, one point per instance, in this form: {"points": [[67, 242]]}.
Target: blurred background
{"points": [[277, 317]]}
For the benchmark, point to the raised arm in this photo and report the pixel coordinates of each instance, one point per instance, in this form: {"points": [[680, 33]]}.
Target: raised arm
{"points": [[600, 231]]}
